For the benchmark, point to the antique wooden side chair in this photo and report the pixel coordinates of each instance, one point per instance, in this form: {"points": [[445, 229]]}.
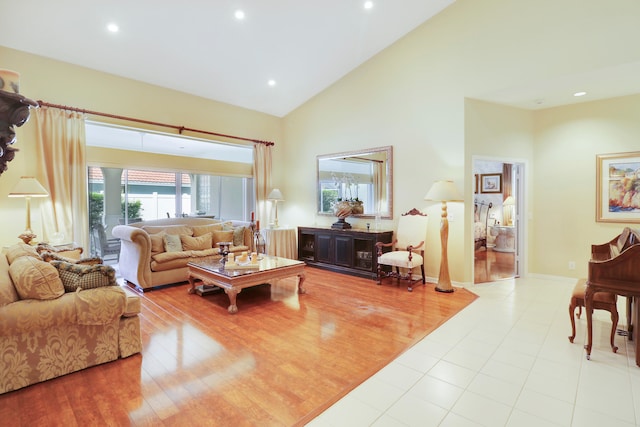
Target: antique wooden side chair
{"points": [[407, 249]]}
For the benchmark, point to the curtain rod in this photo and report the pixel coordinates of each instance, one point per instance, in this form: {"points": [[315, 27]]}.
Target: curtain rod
{"points": [[148, 122], [365, 159]]}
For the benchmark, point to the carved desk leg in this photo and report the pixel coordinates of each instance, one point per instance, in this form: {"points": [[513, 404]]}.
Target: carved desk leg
{"points": [[630, 303], [301, 289], [614, 325], [636, 306], [588, 303]]}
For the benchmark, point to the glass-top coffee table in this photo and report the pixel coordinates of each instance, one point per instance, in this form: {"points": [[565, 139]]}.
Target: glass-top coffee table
{"points": [[214, 275]]}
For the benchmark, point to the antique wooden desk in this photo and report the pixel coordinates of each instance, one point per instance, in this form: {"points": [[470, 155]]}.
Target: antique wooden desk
{"points": [[618, 273]]}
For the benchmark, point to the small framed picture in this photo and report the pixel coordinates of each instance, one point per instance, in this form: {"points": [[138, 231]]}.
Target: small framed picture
{"points": [[491, 183], [618, 181]]}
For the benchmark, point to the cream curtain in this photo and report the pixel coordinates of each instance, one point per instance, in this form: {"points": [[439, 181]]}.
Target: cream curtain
{"points": [[262, 178], [61, 156], [507, 191], [507, 180]]}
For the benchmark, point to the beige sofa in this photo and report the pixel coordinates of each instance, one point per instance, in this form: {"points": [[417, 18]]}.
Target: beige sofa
{"points": [[53, 322], [145, 261]]}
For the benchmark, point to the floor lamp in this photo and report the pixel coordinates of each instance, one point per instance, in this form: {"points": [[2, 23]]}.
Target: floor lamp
{"points": [[275, 196], [28, 187], [444, 191]]}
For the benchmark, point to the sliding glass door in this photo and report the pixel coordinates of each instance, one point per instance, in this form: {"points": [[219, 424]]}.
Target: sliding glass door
{"points": [[122, 196]]}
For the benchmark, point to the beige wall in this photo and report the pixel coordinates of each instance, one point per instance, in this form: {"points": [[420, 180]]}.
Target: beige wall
{"points": [[66, 84], [412, 96], [564, 203]]}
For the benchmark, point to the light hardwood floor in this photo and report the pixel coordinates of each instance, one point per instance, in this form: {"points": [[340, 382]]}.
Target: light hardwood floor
{"points": [[280, 361]]}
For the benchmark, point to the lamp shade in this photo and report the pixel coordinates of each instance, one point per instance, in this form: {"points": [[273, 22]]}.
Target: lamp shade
{"points": [[509, 201], [28, 186], [443, 191], [275, 195]]}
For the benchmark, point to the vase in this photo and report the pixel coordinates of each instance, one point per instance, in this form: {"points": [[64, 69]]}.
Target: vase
{"points": [[357, 207], [341, 209]]}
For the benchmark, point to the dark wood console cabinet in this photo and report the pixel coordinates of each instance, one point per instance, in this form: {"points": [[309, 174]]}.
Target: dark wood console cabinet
{"points": [[345, 251]]}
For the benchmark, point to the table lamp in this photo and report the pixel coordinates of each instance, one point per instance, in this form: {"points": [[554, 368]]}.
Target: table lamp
{"points": [[275, 196], [444, 191], [28, 187]]}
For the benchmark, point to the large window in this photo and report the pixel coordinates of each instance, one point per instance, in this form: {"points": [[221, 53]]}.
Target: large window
{"points": [[122, 193], [144, 195]]}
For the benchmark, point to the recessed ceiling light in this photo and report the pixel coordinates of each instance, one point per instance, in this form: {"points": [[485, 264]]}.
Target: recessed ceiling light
{"points": [[580, 94], [271, 82], [368, 5], [239, 14], [113, 28]]}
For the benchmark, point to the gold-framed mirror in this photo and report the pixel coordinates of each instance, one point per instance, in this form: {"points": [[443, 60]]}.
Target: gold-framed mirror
{"points": [[364, 175]]}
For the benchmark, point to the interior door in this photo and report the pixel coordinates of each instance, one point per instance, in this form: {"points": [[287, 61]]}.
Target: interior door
{"points": [[496, 261], [518, 185]]}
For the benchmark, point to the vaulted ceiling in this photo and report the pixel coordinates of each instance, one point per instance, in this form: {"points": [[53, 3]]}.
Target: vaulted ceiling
{"points": [[200, 47]]}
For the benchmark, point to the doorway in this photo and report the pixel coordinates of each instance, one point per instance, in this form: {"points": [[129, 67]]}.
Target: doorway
{"points": [[498, 201]]}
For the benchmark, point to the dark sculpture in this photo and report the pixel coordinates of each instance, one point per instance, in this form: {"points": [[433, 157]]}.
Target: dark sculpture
{"points": [[14, 111]]}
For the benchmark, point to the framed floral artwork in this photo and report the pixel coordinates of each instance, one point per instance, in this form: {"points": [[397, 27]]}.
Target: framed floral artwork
{"points": [[491, 183], [618, 187]]}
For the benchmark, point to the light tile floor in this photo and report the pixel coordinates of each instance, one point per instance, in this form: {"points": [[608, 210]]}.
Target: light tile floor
{"points": [[505, 360]]}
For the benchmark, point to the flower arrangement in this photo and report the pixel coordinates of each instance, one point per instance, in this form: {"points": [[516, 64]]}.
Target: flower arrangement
{"points": [[350, 185], [346, 203]]}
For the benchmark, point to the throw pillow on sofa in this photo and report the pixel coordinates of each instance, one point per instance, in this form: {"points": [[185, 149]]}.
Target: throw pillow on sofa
{"points": [[172, 243], [54, 256], [18, 250], [199, 230], [199, 243], [168, 229], [76, 276], [221, 236], [157, 242], [8, 292], [35, 279], [238, 236], [70, 253]]}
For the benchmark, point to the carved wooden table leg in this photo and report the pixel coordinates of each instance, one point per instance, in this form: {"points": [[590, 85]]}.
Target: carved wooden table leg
{"points": [[232, 293], [301, 289], [588, 303], [192, 282]]}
